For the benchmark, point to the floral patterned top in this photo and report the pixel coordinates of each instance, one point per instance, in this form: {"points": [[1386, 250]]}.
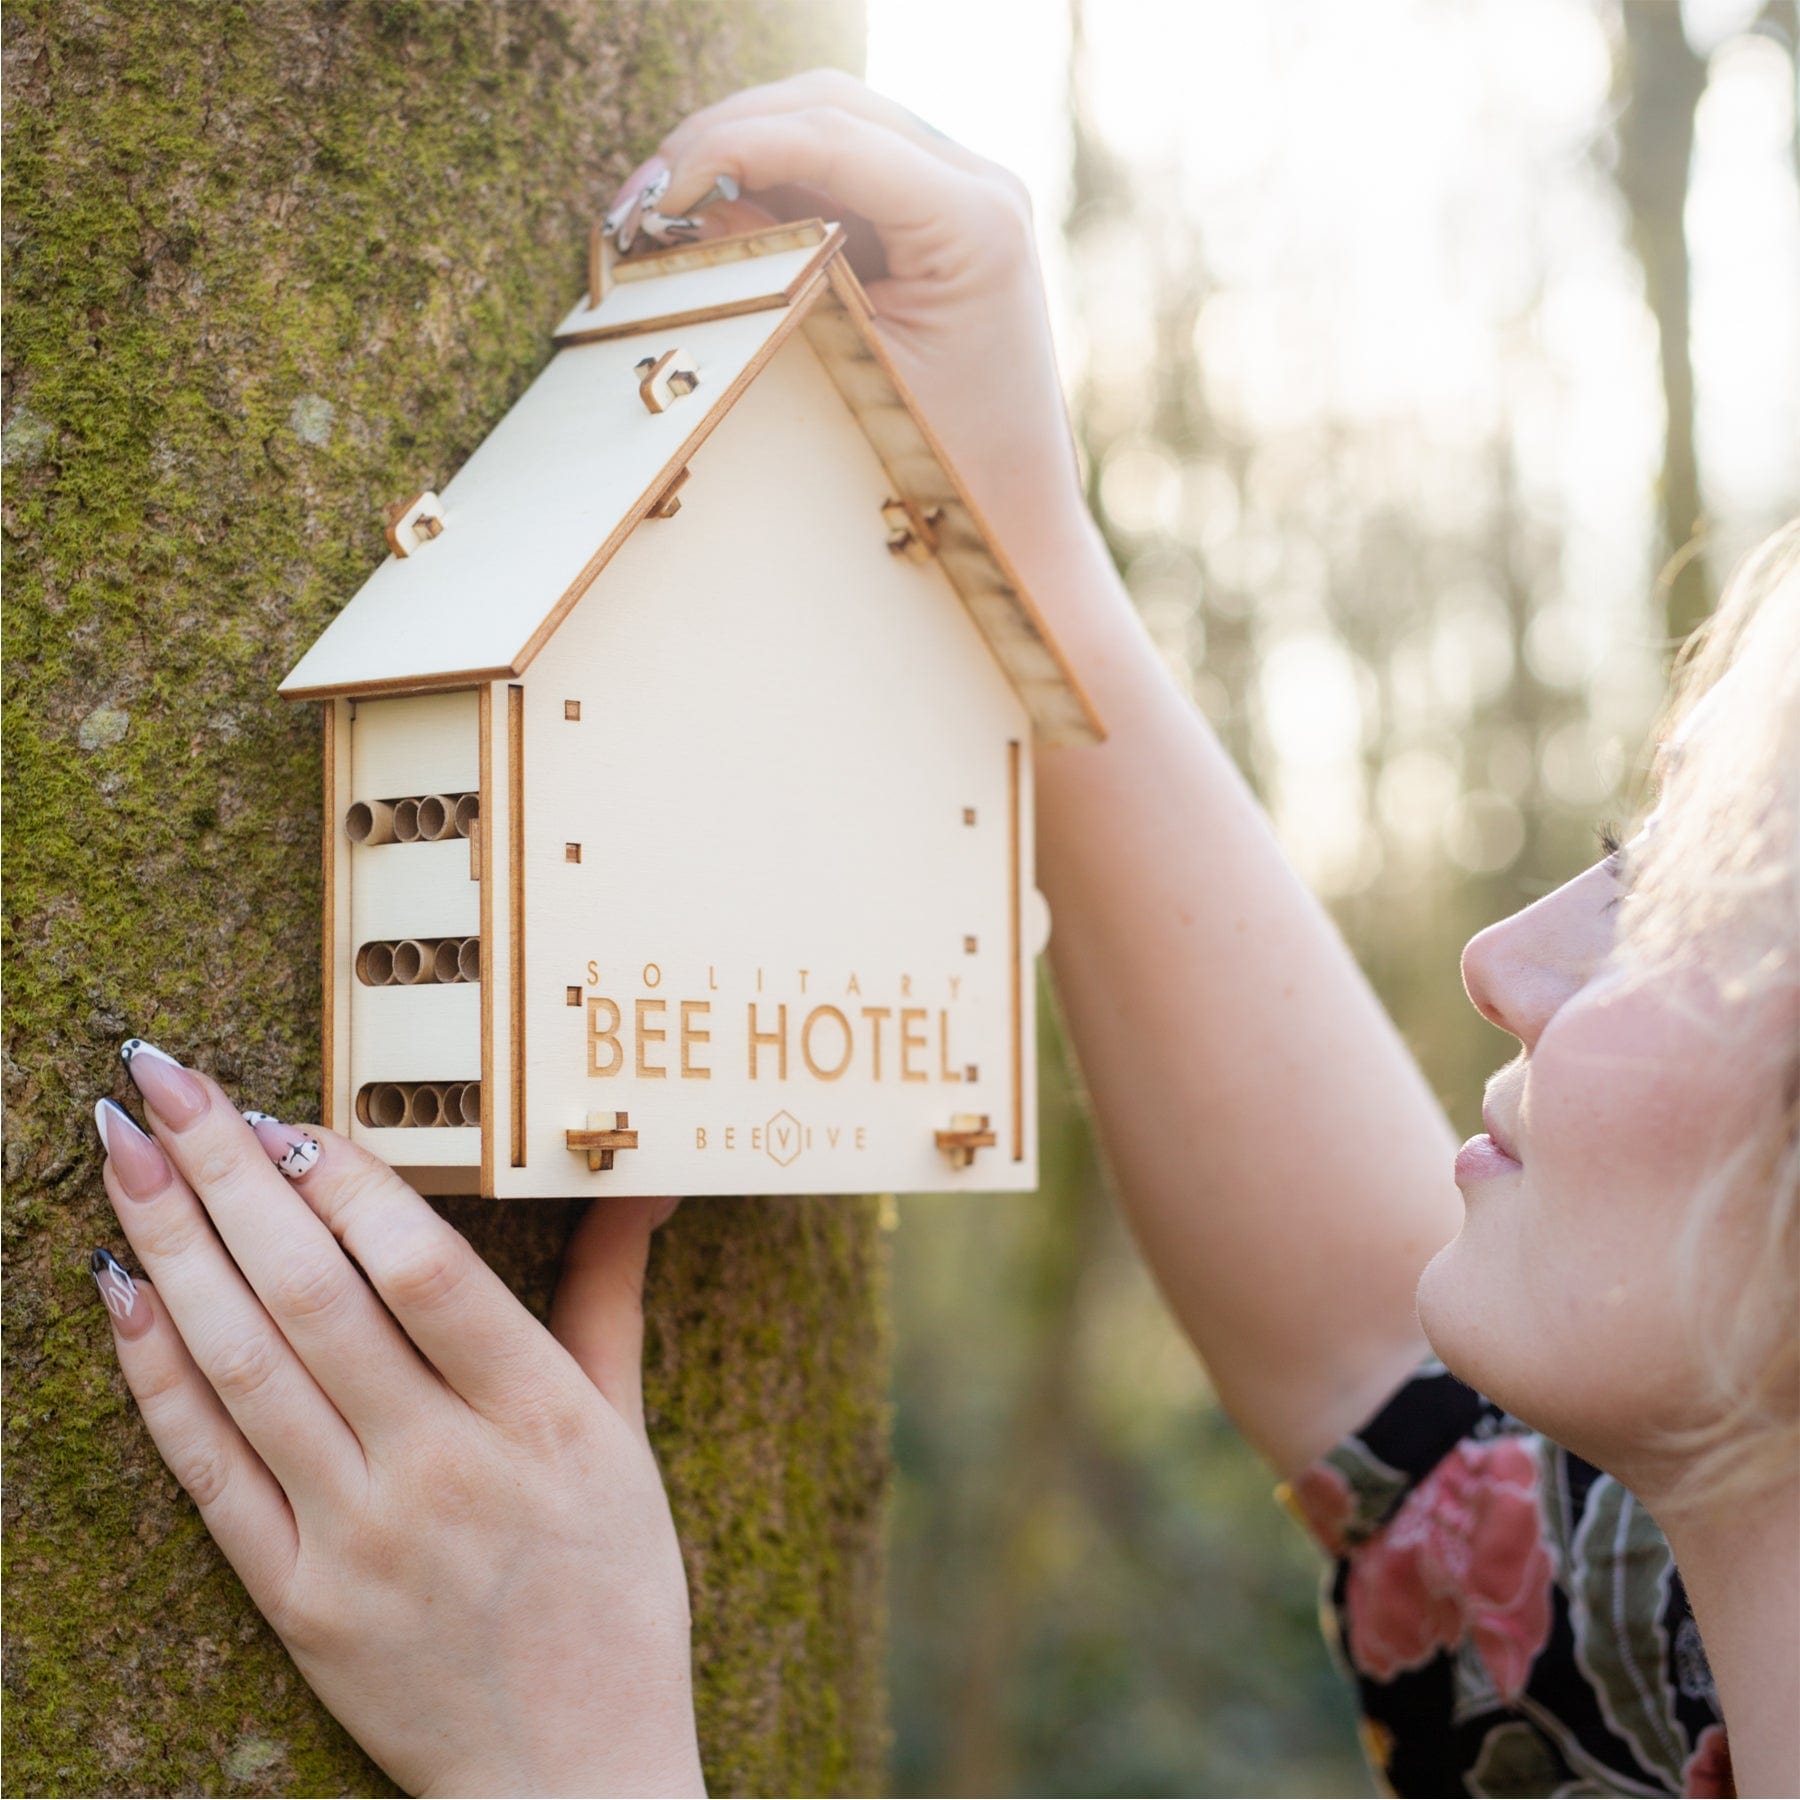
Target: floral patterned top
{"points": [[1510, 1615]]}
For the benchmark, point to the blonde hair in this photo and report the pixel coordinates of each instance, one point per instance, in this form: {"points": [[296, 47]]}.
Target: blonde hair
{"points": [[1715, 889]]}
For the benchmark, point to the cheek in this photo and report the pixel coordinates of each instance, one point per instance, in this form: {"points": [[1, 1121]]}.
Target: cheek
{"points": [[1632, 1097]]}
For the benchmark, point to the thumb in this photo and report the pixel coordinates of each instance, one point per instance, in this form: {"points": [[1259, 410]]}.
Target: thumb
{"points": [[597, 1313]]}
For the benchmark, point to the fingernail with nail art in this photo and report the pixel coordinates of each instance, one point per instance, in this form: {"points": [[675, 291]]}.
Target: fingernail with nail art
{"points": [[119, 1292], [629, 189], [292, 1150], [175, 1092], [137, 1160]]}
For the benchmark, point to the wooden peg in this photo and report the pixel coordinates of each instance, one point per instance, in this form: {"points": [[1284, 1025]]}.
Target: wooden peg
{"points": [[968, 1133], [668, 503], [606, 1133], [662, 380], [911, 532], [413, 522]]}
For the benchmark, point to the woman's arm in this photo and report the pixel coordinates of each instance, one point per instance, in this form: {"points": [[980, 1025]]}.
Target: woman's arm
{"points": [[1277, 1152], [1281, 1160]]}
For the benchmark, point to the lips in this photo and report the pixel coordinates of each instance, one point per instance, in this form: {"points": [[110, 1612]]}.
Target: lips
{"points": [[1502, 1142]]}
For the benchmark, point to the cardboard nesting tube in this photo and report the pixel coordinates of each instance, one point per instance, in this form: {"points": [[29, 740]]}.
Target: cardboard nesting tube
{"points": [[387, 1104], [443, 963], [471, 1103], [375, 965], [406, 821], [468, 810], [370, 822], [415, 960], [437, 817], [425, 1105], [468, 959], [453, 1093]]}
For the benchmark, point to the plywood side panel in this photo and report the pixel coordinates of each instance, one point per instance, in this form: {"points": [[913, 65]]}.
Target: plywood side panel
{"points": [[420, 744], [771, 812], [416, 1034], [1005, 615], [445, 1147], [414, 890], [336, 937]]}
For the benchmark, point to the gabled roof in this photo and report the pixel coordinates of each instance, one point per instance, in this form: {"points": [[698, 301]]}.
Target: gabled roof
{"points": [[552, 492]]}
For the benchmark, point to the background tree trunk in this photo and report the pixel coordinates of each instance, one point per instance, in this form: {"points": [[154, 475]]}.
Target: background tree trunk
{"points": [[269, 265]]}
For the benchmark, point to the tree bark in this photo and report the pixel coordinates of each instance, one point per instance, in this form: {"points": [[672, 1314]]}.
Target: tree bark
{"points": [[270, 264]]}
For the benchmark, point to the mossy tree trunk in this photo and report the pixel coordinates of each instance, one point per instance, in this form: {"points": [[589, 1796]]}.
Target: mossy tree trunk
{"points": [[268, 265]]}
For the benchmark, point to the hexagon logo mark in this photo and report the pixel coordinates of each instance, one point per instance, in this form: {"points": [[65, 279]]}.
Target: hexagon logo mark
{"points": [[783, 1138]]}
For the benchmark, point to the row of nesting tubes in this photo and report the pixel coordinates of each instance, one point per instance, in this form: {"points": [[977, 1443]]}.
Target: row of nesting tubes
{"points": [[421, 1104], [418, 962], [417, 819]]}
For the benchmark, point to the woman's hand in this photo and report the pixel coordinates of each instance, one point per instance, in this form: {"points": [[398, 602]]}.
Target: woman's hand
{"points": [[944, 242], [453, 1523]]}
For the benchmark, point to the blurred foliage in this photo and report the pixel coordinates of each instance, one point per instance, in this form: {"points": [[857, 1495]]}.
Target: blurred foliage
{"points": [[1420, 602]]}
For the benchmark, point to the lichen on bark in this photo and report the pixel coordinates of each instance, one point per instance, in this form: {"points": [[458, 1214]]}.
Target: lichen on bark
{"points": [[267, 265]]}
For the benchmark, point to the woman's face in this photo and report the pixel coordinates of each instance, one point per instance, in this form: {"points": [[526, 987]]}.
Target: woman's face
{"points": [[1562, 1296]]}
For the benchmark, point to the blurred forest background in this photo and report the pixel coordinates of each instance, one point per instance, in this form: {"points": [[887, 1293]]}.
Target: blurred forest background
{"points": [[1432, 360]]}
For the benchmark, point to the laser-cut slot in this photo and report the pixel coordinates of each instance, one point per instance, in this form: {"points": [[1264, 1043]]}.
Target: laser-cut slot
{"points": [[412, 819], [419, 962], [418, 1105]]}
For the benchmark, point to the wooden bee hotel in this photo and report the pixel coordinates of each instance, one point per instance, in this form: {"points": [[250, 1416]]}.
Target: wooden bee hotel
{"points": [[678, 772]]}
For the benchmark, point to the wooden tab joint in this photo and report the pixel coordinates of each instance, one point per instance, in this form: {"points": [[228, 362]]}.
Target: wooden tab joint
{"points": [[968, 1133], [668, 503], [606, 1134], [662, 380], [912, 531], [412, 522]]}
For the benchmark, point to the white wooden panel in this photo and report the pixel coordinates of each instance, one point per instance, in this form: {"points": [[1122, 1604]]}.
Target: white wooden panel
{"points": [[424, 744], [425, 1033], [690, 290], [781, 726], [527, 512], [339, 947], [413, 890], [437, 1147]]}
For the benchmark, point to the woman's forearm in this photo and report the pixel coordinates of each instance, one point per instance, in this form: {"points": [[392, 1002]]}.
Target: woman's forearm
{"points": [[1279, 1156]]}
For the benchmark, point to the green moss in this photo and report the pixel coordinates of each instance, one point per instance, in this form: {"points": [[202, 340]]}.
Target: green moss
{"points": [[266, 266]]}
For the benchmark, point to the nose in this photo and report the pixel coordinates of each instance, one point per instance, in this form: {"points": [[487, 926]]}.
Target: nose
{"points": [[1519, 972]]}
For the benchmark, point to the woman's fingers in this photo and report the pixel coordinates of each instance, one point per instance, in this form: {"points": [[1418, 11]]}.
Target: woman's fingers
{"points": [[814, 88], [241, 1502], [319, 1303], [252, 1367], [461, 1315], [598, 1312], [899, 188]]}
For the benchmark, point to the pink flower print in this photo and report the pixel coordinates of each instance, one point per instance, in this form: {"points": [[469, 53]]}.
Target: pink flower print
{"points": [[1321, 1497], [1708, 1773], [1464, 1557]]}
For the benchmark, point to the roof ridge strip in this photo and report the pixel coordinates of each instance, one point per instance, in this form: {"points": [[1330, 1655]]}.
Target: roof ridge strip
{"points": [[827, 250], [858, 307], [805, 299]]}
